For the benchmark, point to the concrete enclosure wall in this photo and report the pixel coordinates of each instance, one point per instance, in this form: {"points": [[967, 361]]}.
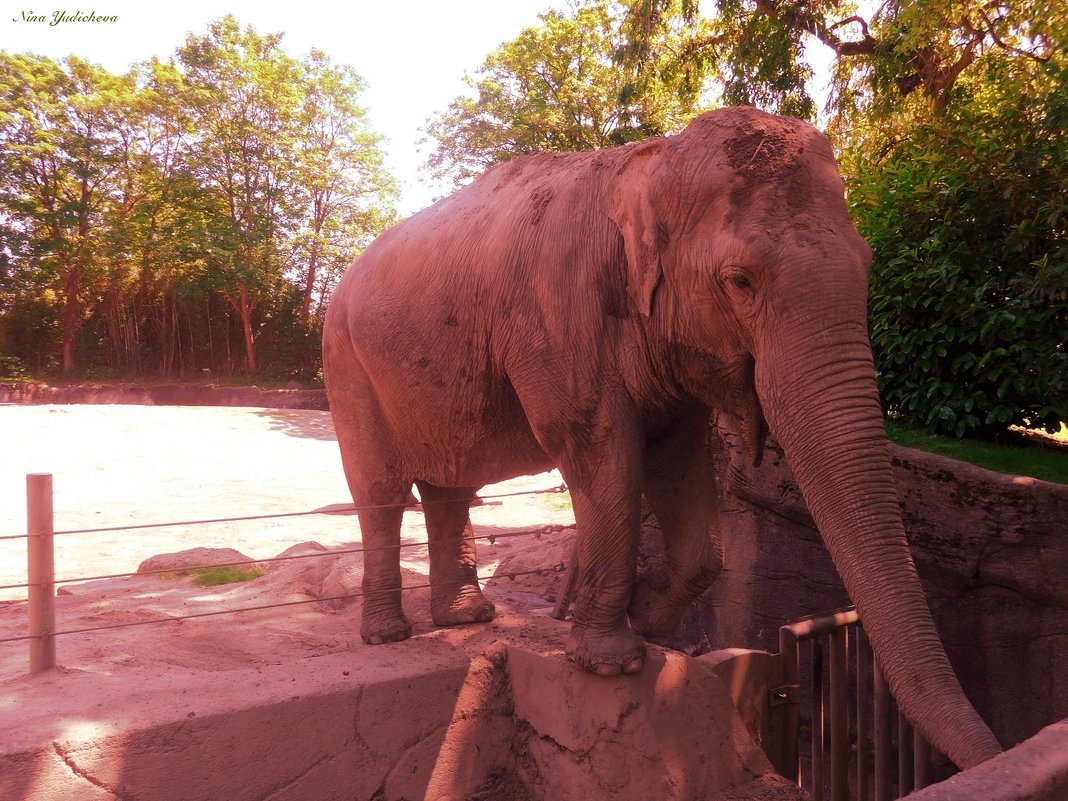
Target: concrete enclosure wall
{"points": [[510, 724]]}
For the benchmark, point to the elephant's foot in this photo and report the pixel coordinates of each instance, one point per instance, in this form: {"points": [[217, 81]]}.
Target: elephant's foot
{"points": [[376, 629], [454, 606], [606, 653], [654, 614]]}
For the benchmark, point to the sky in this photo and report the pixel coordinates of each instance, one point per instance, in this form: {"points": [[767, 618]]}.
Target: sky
{"points": [[412, 53]]}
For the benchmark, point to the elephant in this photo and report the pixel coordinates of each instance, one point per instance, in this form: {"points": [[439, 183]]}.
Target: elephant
{"points": [[591, 311]]}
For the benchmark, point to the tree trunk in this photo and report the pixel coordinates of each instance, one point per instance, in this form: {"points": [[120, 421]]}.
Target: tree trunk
{"points": [[309, 284], [244, 308], [72, 316]]}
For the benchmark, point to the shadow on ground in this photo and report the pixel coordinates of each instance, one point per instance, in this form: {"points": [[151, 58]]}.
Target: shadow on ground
{"points": [[304, 423]]}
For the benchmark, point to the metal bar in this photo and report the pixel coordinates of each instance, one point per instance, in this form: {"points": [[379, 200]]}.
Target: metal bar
{"points": [[863, 649], [567, 592], [822, 624], [921, 761], [40, 571], [881, 734], [904, 755], [817, 721], [790, 712], [839, 706], [536, 533]]}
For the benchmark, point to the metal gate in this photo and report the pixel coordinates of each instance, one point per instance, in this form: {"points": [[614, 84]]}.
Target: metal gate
{"points": [[862, 748]]}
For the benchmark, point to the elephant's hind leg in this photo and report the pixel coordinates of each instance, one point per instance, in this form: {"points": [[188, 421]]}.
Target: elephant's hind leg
{"points": [[380, 491], [455, 596], [680, 486], [383, 617]]}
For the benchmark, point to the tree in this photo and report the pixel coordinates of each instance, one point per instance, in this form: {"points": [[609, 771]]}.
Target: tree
{"points": [[59, 155], [880, 56], [345, 194], [948, 117], [560, 86], [153, 219], [245, 98]]}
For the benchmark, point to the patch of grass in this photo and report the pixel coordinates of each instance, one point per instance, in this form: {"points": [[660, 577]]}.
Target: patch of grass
{"points": [[559, 502], [1047, 461], [214, 576]]}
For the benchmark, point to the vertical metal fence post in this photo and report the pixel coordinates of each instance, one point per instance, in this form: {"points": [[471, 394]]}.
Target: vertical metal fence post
{"points": [[921, 761], [40, 563], [904, 755], [863, 716], [881, 734], [817, 719], [839, 704], [789, 708]]}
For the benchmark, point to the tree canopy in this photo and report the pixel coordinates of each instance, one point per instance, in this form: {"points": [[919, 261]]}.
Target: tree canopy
{"points": [[562, 86], [186, 215], [882, 51]]}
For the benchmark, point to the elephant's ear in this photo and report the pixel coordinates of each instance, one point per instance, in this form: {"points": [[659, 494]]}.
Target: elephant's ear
{"points": [[629, 207]]}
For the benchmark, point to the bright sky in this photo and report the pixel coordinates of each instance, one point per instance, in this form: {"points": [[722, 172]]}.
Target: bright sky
{"points": [[412, 53]]}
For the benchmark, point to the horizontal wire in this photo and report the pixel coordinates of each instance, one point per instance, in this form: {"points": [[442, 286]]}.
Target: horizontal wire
{"points": [[557, 568], [536, 533], [341, 509]]}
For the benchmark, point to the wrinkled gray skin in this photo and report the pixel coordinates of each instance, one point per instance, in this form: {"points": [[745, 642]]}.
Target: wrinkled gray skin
{"points": [[588, 311]]}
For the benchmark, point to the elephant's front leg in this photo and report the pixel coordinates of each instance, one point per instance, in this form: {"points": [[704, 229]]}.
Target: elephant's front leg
{"points": [[606, 494], [680, 486]]}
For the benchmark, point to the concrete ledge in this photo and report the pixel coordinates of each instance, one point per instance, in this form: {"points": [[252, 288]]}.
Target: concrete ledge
{"points": [[1035, 770], [421, 719], [297, 731]]}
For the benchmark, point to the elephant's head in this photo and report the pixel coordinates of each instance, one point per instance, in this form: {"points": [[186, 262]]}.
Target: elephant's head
{"points": [[742, 259]]}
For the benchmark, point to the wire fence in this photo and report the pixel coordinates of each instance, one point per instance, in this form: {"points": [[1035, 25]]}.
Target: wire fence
{"points": [[511, 575], [339, 509], [41, 581]]}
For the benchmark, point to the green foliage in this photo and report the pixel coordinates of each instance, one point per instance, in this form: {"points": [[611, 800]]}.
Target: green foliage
{"points": [[167, 219], [561, 86], [968, 219], [216, 576], [764, 60], [12, 368], [560, 502], [949, 117]]}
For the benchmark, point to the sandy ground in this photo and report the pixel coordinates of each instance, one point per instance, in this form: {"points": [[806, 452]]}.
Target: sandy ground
{"points": [[124, 465]]}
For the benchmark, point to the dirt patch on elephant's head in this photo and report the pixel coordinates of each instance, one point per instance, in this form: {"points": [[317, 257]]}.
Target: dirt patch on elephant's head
{"points": [[763, 154]]}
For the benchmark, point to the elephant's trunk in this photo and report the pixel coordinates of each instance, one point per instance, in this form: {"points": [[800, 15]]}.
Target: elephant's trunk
{"points": [[821, 402]]}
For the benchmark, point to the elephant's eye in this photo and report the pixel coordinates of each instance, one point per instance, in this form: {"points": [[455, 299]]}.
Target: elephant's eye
{"points": [[742, 282], [740, 278]]}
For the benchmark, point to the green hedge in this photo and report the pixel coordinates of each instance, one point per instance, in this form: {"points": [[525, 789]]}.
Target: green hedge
{"points": [[968, 220]]}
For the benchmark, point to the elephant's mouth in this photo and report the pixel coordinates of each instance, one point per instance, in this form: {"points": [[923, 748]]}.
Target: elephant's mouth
{"points": [[746, 413]]}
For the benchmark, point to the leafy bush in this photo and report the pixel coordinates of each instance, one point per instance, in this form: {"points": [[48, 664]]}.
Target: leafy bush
{"points": [[12, 367], [968, 219]]}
